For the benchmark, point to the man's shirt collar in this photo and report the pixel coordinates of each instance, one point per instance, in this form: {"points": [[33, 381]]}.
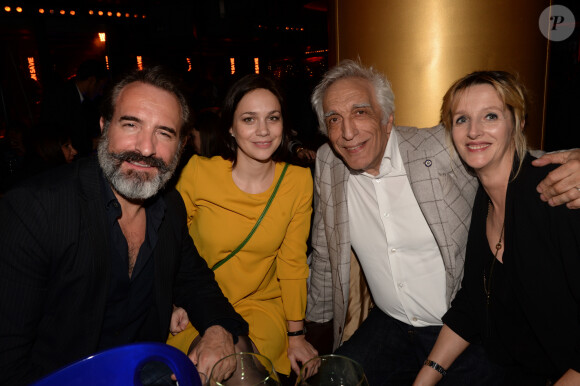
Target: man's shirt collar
{"points": [[392, 163], [155, 206]]}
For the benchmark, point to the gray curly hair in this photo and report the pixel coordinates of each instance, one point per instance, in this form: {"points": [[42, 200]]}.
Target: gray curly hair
{"points": [[351, 69]]}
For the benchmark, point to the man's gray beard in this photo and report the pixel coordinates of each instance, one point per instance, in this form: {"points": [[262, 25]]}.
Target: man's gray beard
{"points": [[134, 185]]}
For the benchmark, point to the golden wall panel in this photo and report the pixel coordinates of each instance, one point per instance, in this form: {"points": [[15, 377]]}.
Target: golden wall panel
{"points": [[424, 45]]}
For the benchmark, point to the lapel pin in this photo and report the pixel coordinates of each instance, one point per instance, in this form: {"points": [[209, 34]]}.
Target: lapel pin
{"points": [[428, 163]]}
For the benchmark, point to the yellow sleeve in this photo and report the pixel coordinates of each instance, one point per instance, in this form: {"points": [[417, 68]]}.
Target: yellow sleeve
{"points": [[185, 187], [292, 267]]}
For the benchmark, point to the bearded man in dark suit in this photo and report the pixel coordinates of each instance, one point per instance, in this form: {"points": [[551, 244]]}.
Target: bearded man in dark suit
{"points": [[95, 255]]}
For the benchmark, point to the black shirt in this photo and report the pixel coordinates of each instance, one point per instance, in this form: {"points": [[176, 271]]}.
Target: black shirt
{"points": [[531, 326], [130, 314], [507, 333]]}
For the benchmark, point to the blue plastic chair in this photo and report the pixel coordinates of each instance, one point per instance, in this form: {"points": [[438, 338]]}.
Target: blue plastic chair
{"points": [[122, 365]]}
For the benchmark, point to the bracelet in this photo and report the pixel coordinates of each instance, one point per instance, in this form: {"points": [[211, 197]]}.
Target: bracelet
{"points": [[436, 366], [298, 149], [297, 333]]}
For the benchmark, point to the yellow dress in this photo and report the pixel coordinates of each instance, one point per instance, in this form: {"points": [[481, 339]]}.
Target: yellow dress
{"points": [[266, 280]]}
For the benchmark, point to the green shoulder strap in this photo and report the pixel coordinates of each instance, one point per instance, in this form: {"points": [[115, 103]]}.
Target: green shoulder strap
{"points": [[233, 253]]}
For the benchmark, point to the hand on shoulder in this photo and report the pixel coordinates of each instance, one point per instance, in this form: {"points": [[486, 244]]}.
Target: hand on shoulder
{"points": [[562, 185]]}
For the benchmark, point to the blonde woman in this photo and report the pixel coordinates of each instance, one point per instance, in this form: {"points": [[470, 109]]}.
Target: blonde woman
{"points": [[520, 296]]}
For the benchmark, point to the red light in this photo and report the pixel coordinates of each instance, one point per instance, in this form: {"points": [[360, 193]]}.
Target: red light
{"points": [[315, 59]]}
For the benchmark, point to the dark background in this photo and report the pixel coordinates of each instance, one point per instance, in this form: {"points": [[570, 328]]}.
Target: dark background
{"points": [[197, 38]]}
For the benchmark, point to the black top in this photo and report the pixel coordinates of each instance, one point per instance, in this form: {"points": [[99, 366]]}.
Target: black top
{"points": [[533, 324], [130, 299], [505, 330]]}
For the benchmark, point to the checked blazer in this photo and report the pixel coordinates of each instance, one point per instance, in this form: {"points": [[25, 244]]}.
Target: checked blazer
{"points": [[444, 190]]}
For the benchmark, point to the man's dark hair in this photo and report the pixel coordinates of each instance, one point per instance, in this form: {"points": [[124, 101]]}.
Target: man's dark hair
{"points": [[207, 123], [157, 77], [90, 68]]}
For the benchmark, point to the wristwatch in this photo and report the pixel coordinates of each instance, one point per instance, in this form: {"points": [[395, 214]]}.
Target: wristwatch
{"points": [[436, 366], [296, 333]]}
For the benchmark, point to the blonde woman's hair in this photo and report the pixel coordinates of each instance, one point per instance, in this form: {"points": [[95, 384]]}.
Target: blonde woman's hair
{"points": [[510, 90]]}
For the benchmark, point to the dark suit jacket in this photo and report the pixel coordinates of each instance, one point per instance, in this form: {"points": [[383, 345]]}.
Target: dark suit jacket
{"points": [[55, 268]]}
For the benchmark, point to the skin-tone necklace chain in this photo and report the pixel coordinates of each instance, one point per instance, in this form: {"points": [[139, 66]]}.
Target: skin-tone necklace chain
{"points": [[486, 282]]}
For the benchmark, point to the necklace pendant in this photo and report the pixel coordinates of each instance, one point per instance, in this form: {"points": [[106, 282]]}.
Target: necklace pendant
{"points": [[497, 246]]}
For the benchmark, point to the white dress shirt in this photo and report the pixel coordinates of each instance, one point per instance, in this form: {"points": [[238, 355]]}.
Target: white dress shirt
{"points": [[396, 249]]}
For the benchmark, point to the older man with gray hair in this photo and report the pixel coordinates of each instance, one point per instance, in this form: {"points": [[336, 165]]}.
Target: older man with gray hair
{"points": [[401, 199]]}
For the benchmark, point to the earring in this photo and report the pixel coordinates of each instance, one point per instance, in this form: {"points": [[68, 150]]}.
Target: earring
{"points": [[232, 134]]}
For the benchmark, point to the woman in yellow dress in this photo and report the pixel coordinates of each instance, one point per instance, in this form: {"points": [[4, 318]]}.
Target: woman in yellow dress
{"points": [[225, 196]]}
